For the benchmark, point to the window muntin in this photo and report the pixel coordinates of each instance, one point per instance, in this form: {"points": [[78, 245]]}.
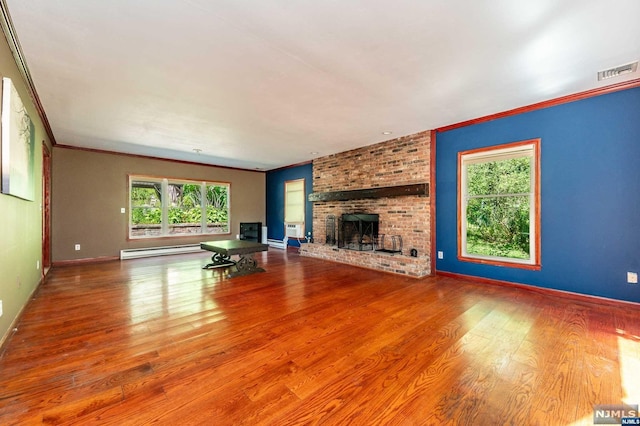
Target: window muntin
{"points": [[161, 207], [294, 202], [498, 212]]}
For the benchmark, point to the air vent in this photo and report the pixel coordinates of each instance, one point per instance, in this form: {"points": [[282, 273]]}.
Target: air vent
{"points": [[294, 230], [614, 72]]}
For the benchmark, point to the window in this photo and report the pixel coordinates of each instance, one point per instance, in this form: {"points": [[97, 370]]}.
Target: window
{"points": [[499, 205], [162, 207], [294, 201]]}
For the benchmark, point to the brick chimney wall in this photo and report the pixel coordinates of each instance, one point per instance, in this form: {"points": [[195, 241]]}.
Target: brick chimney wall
{"points": [[401, 161]]}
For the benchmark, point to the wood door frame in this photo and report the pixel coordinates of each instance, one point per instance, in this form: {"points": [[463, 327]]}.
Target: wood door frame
{"points": [[46, 208]]}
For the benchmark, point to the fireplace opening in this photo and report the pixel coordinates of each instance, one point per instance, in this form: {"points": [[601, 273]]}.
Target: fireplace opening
{"points": [[358, 231]]}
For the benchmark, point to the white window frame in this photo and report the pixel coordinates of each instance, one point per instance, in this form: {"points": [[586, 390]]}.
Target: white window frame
{"points": [[294, 201], [164, 222], [529, 148]]}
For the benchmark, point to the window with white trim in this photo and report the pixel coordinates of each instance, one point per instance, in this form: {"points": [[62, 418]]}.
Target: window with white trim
{"points": [[161, 207], [294, 202], [499, 205]]}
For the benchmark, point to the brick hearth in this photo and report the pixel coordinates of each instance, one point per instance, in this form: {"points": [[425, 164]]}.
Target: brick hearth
{"points": [[400, 161]]}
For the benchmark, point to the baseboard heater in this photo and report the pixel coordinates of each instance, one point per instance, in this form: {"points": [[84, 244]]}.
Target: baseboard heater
{"points": [[158, 251], [275, 243]]}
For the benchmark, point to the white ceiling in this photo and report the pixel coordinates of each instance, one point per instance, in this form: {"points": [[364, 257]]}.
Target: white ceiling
{"points": [[269, 83]]}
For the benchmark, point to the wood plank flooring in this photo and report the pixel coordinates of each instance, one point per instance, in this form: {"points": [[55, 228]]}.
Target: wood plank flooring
{"points": [[162, 341]]}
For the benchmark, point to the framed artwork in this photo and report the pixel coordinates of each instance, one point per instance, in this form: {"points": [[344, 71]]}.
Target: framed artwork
{"points": [[17, 136]]}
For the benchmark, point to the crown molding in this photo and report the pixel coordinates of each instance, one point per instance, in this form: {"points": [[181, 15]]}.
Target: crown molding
{"points": [[546, 104], [14, 45]]}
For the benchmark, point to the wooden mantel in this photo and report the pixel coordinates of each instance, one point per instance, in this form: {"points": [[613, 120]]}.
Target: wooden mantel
{"points": [[379, 192]]}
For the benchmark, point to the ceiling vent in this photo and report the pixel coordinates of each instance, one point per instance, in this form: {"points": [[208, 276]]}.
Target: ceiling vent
{"points": [[614, 72]]}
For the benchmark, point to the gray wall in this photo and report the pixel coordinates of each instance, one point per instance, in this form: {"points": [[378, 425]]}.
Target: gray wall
{"points": [[90, 188]]}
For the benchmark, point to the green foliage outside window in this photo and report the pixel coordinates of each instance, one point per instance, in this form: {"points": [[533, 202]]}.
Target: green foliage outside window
{"points": [[146, 202], [184, 203], [146, 215], [498, 208], [194, 215]]}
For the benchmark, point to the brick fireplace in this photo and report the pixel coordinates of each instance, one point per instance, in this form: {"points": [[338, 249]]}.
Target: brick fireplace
{"points": [[370, 170]]}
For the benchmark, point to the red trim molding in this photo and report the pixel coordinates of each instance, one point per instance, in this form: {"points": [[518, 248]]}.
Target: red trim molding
{"points": [[18, 55], [546, 104], [537, 218], [579, 297], [192, 163], [432, 198], [12, 327], [85, 260], [290, 166]]}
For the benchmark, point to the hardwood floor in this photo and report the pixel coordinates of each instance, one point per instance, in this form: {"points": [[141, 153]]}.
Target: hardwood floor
{"points": [[160, 340]]}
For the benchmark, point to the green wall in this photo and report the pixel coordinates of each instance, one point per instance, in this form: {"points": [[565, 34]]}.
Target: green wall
{"points": [[20, 220]]}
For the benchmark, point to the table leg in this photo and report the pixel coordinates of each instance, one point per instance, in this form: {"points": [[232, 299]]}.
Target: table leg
{"points": [[219, 260], [245, 266]]}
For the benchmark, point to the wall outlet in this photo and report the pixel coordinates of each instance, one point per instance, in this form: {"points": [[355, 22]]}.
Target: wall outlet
{"points": [[77, 247], [37, 265], [123, 210], [632, 277], [440, 255], [0, 308]]}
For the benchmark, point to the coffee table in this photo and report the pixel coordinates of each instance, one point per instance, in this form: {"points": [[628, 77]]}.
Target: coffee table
{"points": [[224, 249]]}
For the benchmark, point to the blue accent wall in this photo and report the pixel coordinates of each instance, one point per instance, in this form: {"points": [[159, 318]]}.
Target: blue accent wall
{"points": [[590, 194], [275, 199]]}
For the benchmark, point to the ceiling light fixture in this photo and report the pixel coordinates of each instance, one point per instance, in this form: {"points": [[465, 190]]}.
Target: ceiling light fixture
{"points": [[614, 72]]}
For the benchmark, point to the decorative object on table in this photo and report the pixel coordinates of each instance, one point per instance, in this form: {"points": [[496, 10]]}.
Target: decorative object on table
{"points": [[18, 144]]}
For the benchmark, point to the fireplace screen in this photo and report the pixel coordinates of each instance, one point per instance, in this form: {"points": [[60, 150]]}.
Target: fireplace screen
{"points": [[358, 231], [330, 230]]}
